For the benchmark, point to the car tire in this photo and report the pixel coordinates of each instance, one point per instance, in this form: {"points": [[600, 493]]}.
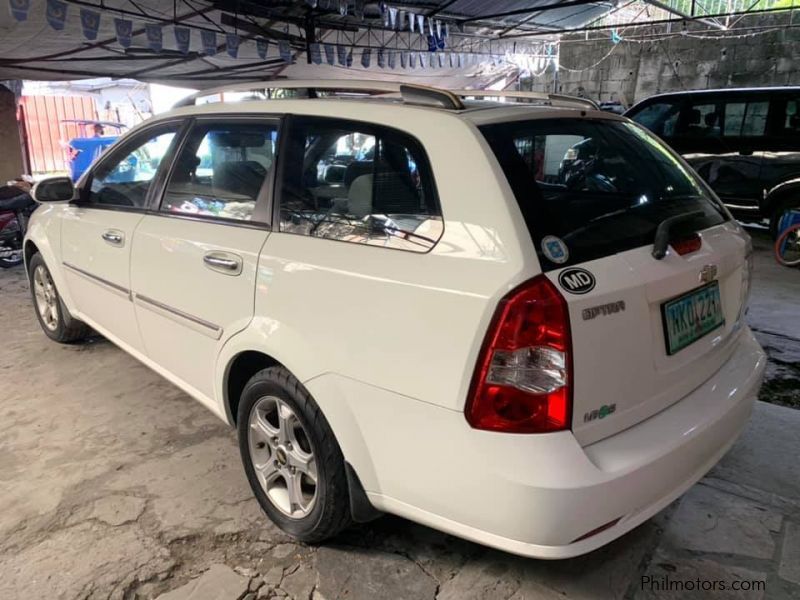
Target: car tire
{"points": [[286, 443], [53, 316], [777, 213]]}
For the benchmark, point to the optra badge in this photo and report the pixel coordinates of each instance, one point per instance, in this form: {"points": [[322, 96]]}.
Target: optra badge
{"points": [[576, 281]]}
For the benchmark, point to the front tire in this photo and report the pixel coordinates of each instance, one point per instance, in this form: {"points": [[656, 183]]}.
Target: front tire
{"points": [[53, 316], [291, 457]]}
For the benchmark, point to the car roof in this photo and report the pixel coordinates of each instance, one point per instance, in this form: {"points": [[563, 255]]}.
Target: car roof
{"points": [[786, 88]]}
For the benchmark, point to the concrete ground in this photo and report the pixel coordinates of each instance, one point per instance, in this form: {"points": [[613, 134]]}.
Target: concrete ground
{"points": [[114, 484]]}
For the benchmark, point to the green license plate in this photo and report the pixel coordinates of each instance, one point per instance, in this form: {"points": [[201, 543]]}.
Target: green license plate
{"points": [[691, 316]]}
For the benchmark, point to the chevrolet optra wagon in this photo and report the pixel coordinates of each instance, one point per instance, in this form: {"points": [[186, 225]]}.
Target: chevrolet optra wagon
{"points": [[522, 324]]}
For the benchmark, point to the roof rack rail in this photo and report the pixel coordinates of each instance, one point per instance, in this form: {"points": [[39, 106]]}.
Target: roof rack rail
{"points": [[410, 94], [541, 97]]}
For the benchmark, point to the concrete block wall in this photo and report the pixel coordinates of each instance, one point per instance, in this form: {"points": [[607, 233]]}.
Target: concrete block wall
{"points": [[634, 71]]}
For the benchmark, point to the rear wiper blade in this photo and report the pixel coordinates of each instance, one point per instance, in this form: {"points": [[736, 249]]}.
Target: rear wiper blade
{"points": [[662, 233]]}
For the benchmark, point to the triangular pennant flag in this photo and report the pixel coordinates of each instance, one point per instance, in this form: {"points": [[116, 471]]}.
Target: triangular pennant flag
{"points": [[412, 22], [285, 50], [350, 58], [401, 20], [343, 7], [392, 17], [19, 9], [452, 60], [438, 29], [209, 39], [460, 60], [183, 38], [421, 23], [330, 57], [432, 61], [232, 44], [381, 58], [431, 27], [365, 56], [123, 28], [431, 43], [439, 42], [262, 47], [441, 60], [154, 38], [341, 54], [412, 60], [316, 53], [392, 60], [403, 60], [90, 23], [56, 14]]}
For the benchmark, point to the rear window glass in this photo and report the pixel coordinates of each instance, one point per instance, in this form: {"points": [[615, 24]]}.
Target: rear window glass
{"points": [[591, 188]]}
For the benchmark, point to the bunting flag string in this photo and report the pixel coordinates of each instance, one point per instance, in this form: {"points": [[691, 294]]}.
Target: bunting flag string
{"points": [[426, 42]]}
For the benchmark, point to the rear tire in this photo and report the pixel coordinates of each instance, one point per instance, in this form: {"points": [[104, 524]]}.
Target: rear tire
{"points": [[53, 316], [291, 457]]}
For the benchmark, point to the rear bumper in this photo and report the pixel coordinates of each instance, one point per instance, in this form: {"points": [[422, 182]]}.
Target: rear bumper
{"points": [[535, 495]]}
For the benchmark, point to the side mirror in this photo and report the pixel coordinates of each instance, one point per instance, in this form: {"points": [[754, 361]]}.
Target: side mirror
{"points": [[53, 189]]}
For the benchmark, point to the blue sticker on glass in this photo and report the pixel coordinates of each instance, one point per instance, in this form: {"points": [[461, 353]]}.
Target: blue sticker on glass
{"points": [[555, 249]]}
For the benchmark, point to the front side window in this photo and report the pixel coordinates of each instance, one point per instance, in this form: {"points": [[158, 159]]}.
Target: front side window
{"points": [[221, 170], [660, 118], [125, 178], [598, 186], [700, 120], [358, 183]]}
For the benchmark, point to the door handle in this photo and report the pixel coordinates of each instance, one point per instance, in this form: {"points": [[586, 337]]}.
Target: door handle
{"points": [[113, 237], [223, 262]]}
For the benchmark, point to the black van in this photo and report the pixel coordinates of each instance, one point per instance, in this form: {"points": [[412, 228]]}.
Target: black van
{"points": [[744, 142]]}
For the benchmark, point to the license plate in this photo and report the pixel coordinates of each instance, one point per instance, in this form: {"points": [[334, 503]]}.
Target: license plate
{"points": [[691, 316]]}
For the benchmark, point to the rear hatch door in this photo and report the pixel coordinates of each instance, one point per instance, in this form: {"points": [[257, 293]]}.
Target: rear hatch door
{"points": [[645, 331]]}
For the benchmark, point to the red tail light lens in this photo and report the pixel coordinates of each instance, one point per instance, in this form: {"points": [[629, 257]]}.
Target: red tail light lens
{"points": [[522, 380], [687, 245]]}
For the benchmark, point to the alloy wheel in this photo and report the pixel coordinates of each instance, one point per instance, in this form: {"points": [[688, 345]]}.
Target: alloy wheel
{"points": [[46, 297], [282, 457]]}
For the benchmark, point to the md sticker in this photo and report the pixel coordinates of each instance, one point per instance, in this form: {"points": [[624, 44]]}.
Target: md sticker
{"points": [[555, 249]]}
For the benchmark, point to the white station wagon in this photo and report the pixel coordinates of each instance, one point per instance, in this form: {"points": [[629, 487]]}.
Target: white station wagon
{"points": [[519, 323]]}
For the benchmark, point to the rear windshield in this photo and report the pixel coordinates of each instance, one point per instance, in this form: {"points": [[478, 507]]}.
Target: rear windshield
{"points": [[590, 188]]}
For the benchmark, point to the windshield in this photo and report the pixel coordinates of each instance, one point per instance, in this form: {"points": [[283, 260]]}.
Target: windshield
{"points": [[591, 188]]}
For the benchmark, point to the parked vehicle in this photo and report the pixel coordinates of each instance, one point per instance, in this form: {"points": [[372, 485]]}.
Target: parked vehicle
{"points": [[85, 149], [744, 142], [447, 332], [16, 207]]}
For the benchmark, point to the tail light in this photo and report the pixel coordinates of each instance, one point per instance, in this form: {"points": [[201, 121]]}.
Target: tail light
{"points": [[522, 382], [687, 245]]}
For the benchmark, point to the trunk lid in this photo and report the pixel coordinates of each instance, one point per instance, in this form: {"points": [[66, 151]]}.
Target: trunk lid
{"points": [[623, 372]]}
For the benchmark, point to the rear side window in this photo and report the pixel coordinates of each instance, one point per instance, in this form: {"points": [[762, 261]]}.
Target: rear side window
{"points": [[358, 183], [592, 188], [790, 119], [221, 170], [746, 119]]}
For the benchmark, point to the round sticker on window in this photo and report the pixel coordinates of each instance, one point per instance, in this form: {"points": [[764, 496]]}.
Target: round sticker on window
{"points": [[555, 249]]}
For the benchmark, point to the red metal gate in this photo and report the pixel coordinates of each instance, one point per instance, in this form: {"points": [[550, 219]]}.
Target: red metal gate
{"points": [[45, 134]]}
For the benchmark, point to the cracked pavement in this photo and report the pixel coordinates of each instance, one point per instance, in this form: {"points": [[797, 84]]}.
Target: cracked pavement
{"points": [[117, 485]]}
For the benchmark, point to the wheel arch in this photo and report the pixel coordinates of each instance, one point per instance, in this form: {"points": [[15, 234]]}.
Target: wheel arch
{"points": [[246, 363], [779, 193]]}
